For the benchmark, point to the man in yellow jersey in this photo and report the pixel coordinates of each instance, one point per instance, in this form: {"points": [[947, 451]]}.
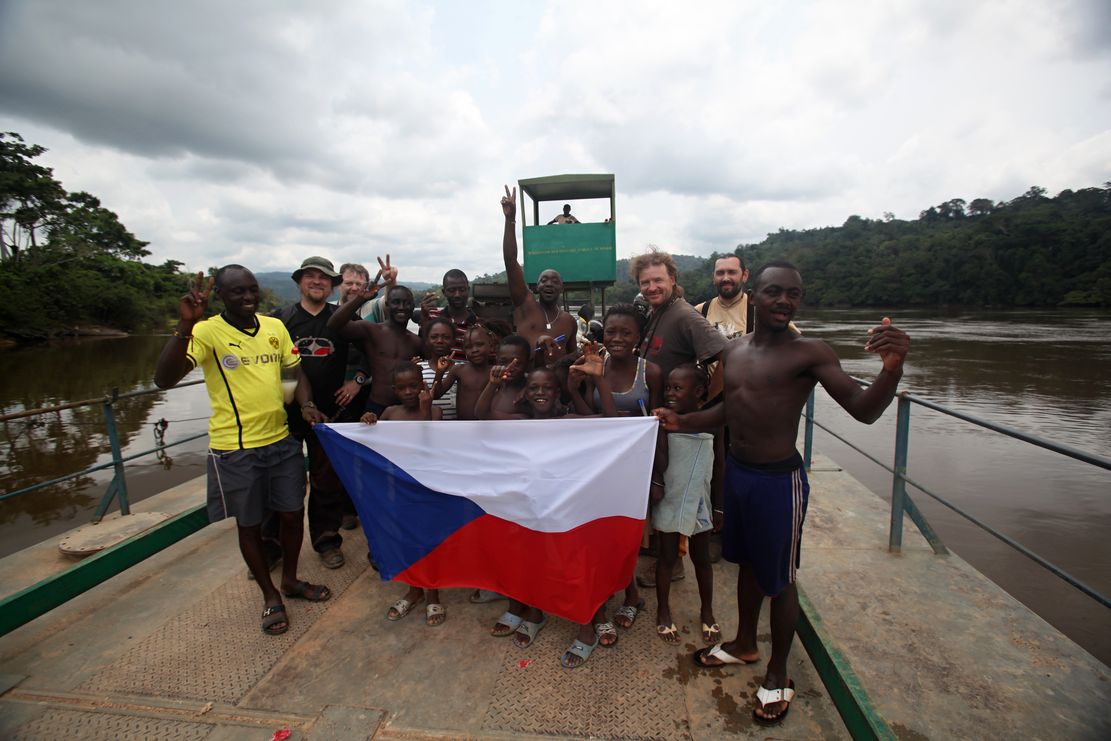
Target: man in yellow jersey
{"points": [[254, 465]]}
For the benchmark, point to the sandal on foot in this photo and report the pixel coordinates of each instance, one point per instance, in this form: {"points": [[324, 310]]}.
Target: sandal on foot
{"points": [[766, 697], [510, 621], [526, 632], [668, 633], [580, 649], [606, 630], [274, 620], [482, 596], [311, 592], [711, 633], [629, 613], [434, 614], [400, 609], [717, 652]]}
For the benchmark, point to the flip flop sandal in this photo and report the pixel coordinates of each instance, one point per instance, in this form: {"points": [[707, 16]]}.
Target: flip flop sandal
{"points": [[716, 651], [510, 621], [311, 592], [668, 633], [580, 649], [526, 632], [400, 609], [606, 629], [629, 612], [766, 697], [482, 596], [434, 614], [711, 633], [272, 617]]}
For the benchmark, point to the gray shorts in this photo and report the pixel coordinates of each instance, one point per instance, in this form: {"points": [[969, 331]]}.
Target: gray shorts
{"points": [[246, 484]]}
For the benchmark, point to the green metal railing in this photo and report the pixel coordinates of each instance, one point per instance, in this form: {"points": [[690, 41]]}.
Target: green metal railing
{"points": [[901, 502], [25, 605], [117, 487]]}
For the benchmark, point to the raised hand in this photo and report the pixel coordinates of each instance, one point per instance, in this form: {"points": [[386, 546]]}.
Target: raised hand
{"points": [[443, 365], [388, 273], [370, 290], [428, 304], [509, 204], [193, 304], [591, 361], [424, 398], [890, 342]]}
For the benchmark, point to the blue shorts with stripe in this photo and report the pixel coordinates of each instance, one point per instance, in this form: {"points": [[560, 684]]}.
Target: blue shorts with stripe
{"points": [[765, 505]]}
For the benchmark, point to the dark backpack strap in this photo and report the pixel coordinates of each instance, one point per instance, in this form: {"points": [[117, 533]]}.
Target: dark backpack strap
{"points": [[706, 308], [750, 315]]}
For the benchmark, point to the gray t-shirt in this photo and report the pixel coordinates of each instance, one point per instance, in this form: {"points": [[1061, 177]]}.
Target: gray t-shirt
{"points": [[678, 334]]}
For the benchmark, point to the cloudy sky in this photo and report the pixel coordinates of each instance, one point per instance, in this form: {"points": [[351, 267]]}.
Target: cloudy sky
{"points": [[262, 132]]}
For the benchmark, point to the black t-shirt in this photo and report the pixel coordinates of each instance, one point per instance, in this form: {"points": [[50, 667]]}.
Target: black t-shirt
{"points": [[323, 356]]}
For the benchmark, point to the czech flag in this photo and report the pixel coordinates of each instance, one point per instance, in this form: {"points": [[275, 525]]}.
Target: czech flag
{"points": [[548, 512]]}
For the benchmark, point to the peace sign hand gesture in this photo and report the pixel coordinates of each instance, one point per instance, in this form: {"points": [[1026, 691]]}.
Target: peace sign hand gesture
{"points": [[509, 204], [193, 304], [388, 273]]}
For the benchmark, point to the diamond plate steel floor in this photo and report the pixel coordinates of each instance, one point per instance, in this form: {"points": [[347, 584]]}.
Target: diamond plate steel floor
{"points": [[149, 654]]}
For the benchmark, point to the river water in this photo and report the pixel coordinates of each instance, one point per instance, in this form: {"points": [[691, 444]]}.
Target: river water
{"points": [[1043, 372]]}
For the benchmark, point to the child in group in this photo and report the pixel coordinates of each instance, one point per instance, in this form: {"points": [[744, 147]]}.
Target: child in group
{"points": [[501, 398], [690, 505], [415, 405], [466, 380], [637, 386], [540, 400], [438, 334]]}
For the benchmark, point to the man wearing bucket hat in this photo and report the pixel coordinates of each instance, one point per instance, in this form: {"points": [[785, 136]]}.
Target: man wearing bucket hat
{"points": [[324, 358]]}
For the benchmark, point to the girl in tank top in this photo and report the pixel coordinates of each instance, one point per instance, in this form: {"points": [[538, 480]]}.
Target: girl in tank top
{"points": [[637, 384]]}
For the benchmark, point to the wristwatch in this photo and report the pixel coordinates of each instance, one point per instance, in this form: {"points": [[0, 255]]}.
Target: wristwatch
{"points": [[360, 378]]}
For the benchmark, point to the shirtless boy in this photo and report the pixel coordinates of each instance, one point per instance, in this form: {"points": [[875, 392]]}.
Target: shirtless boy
{"points": [[382, 344], [501, 397], [533, 318], [414, 405], [769, 374], [468, 378]]}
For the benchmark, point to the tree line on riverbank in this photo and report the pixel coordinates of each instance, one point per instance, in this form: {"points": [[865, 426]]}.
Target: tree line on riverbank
{"points": [[1034, 250], [67, 261]]}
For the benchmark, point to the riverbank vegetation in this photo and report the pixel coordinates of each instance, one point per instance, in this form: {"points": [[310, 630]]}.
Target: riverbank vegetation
{"points": [[67, 262], [1031, 251]]}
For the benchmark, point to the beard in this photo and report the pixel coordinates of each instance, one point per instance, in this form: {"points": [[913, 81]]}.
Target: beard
{"points": [[729, 292]]}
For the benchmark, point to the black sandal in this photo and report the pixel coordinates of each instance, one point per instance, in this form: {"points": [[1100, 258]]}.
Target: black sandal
{"points": [[274, 620]]}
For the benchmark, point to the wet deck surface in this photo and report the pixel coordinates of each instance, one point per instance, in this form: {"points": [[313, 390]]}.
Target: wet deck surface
{"points": [[172, 649]]}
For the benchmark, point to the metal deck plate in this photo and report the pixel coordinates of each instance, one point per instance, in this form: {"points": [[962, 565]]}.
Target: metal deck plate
{"points": [[214, 650], [91, 726], [620, 692]]}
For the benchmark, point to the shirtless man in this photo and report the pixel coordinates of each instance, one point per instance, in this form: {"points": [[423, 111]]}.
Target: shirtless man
{"points": [[769, 374], [383, 344], [538, 321]]}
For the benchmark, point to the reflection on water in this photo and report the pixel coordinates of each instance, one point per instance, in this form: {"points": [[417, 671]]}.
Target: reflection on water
{"points": [[48, 446], [1041, 372]]}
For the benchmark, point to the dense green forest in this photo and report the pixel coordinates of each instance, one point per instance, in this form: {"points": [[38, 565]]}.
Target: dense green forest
{"points": [[1030, 251], [66, 261]]}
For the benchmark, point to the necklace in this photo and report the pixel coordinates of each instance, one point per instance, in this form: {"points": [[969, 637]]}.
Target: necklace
{"points": [[547, 321]]}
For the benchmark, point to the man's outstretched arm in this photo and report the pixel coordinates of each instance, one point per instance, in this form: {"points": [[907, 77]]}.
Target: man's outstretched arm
{"points": [[514, 273], [173, 363], [866, 404]]}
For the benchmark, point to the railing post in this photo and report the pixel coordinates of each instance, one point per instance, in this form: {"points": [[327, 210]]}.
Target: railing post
{"points": [[898, 480], [118, 485], [808, 434]]}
